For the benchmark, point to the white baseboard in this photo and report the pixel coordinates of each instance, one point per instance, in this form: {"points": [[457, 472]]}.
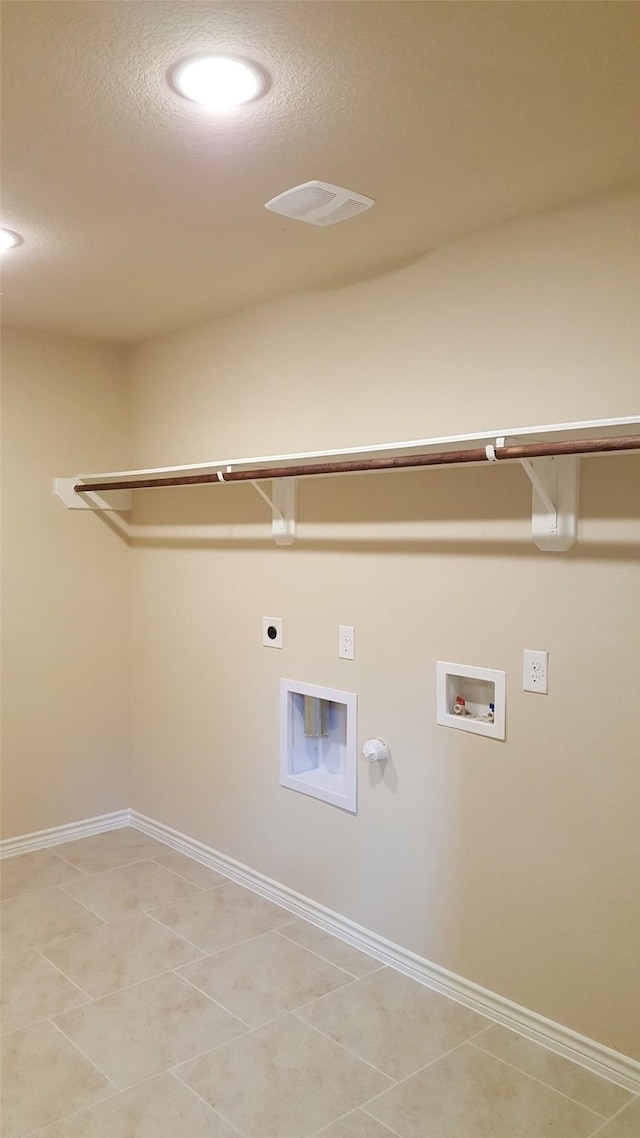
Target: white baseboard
{"points": [[561, 1040], [58, 834]]}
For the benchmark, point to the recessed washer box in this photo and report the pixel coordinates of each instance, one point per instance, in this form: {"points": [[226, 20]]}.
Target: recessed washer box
{"points": [[322, 764], [472, 691]]}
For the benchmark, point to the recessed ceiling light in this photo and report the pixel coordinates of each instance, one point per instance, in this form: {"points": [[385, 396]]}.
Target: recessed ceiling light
{"points": [[9, 239], [218, 82]]}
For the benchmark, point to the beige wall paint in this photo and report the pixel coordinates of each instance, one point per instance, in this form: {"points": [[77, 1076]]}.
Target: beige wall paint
{"points": [[65, 611], [514, 864]]}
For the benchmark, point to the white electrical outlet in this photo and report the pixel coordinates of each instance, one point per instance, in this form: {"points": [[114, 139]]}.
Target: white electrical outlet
{"points": [[346, 642], [535, 672], [272, 631]]}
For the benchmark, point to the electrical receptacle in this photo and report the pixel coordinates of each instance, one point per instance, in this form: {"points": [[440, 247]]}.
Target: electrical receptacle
{"points": [[535, 671], [272, 631], [346, 642]]}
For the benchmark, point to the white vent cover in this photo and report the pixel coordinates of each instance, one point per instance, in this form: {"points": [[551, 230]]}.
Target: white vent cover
{"points": [[319, 203]]}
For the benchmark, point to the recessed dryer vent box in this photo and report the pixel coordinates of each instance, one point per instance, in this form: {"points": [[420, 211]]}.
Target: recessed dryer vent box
{"points": [[318, 733], [471, 699]]}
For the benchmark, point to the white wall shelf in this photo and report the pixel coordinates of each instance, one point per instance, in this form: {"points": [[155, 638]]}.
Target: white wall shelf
{"points": [[554, 474]]}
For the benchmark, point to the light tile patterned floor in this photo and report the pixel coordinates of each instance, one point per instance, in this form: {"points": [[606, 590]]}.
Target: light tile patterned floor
{"points": [[146, 996]]}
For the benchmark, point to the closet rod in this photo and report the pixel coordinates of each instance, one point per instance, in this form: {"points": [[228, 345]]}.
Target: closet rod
{"points": [[400, 462]]}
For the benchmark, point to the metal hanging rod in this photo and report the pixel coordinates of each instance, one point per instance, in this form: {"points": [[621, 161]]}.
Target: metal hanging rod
{"points": [[522, 452]]}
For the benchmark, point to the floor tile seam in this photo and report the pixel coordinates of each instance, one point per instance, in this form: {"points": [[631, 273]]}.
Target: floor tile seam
{"points": [[281, 932], [353, 1054], [208, 951], [107, 925], [542, 1083], [180, 877], [219, 1004], [254, 1027], [84, 906], [325, 1129], [92, 1063], [44, 889], [111, 868], [38, 889], [317, 956], [66, 860], [388, 1126], [147, 861], [174, 1073], [81, 990], [228, 1042], [113, 920], [149, 913], [601, 1125], [74, 1114], [406, 1078], [316, 999], [136, 983], [236, 944], [82, 932], [203, 888]]}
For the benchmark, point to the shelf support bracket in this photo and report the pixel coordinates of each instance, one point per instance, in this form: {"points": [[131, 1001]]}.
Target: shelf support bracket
{"points": [[555, 486], [283, 502]]}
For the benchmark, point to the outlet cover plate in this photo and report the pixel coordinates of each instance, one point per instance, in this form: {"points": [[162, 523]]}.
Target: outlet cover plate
{"points": [[346, 642], [272, 631], [535, 671]]}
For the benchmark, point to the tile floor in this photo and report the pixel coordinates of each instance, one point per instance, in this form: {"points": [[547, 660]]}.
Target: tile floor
{"points": [[146, 996]]}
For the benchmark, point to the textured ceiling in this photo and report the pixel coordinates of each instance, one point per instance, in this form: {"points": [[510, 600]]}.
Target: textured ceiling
{"points": [[142, 213]]}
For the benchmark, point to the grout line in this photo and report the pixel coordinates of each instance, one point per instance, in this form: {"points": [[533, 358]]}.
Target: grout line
{"points": [[68, 862], [280, 1015], [173, 1072], [205, 952], [40, 889], [149, 913], [148, 860], [203, 888], [83, 991], [383, 1124], [110, 868], [282, 932], [606, 1122], [412, 1074], [84, 906], [133, 984], [219, 1004], [192, 891], [156, 1074], [74, 1114], [324, 996], [343, 1047], [208, 952], [95, 1066], [274, 1019], [349, 1114], [540, 1082], [45, 889]]}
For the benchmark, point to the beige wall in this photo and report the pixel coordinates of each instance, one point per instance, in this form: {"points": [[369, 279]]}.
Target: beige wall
{"points": [[65, 583], [514, 864]]}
